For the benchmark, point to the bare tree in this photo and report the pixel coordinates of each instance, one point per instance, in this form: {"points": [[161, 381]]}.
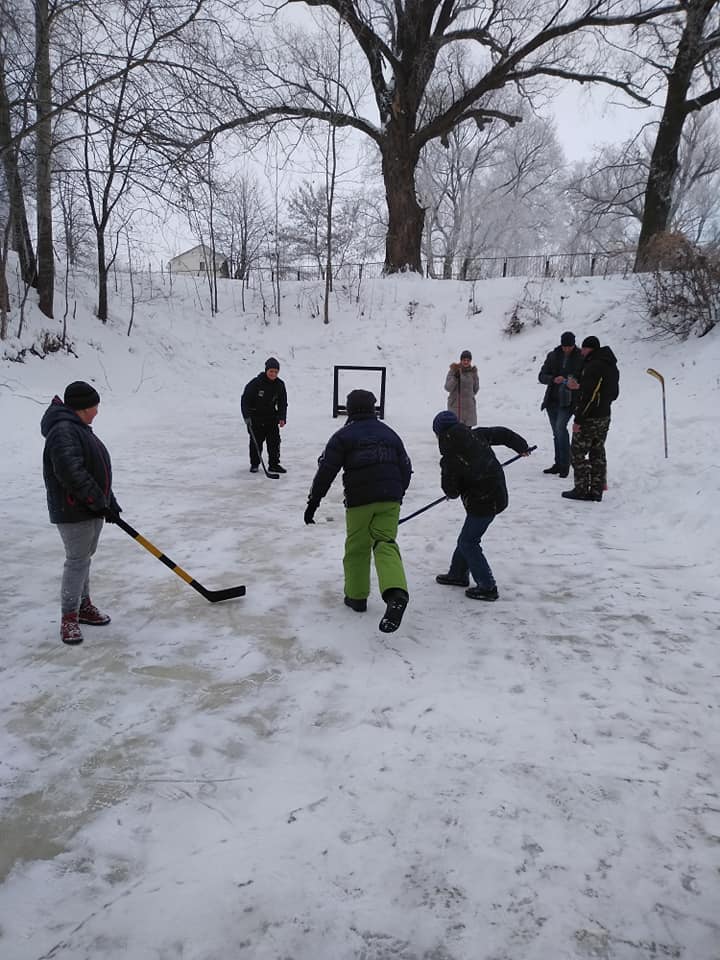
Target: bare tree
{"points": [[398, 48], [690, 63]]}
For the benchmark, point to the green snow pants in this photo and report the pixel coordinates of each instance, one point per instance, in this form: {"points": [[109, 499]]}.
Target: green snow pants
{"points": [[371, 529]]}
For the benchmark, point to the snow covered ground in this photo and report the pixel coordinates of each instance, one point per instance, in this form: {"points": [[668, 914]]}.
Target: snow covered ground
{"points": [[273, 779]]}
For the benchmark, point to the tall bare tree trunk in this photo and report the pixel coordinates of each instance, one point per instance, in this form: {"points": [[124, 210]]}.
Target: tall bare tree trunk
{"points": [[20, 241], [406, 217], [46, 264], [664, 160]]}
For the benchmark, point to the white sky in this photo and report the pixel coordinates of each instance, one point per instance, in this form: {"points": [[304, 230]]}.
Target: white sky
{"points": [[271, 777]]}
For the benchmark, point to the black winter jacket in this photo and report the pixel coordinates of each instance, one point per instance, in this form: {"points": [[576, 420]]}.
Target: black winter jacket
{"points": [[264, 400], [470, 470], [558, 363], [375, 465], [599, 385], [76, 467]]}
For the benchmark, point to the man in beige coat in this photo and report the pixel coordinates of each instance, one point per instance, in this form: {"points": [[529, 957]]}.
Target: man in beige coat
{"points": [[462, 383]]}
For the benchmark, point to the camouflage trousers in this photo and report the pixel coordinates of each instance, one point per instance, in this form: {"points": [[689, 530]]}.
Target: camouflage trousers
{"points": [[587, 455]]}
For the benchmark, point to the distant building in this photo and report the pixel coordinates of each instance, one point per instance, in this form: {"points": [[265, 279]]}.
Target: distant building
{"points": [[197, 261]]}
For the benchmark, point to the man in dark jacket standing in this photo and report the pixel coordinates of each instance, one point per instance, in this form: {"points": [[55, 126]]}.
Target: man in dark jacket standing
{"points": [[376, 474], [470, 470], [598, 387], [562, 365], [78, 479], [264, 410]]}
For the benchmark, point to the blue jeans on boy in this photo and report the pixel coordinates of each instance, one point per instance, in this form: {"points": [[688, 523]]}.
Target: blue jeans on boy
{"points": [[469, 555], [559, 417]]}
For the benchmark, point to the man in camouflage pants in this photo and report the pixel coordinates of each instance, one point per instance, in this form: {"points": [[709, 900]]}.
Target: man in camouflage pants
{"points": [[597, 388]]}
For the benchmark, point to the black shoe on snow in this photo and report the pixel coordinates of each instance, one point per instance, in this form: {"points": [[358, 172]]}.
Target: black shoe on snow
{"points": [[254, 468], [396, 601], [359, 606], [553, 469], [449, 581], [597, 497], [563, 472], [576, 494], [276, 468], [482, 593]]}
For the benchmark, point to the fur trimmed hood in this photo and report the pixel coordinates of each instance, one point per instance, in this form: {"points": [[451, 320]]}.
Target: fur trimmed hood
{"points": [[459, 368]]}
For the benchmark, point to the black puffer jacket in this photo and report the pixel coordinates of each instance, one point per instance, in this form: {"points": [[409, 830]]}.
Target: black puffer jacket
{"points": [[375, 464], [560, 364], [264, 400], [599, 385], [470, 470], [76, 467]]}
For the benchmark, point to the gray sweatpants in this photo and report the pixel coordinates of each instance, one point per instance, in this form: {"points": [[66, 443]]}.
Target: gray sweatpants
{"points": [[80, 541]]}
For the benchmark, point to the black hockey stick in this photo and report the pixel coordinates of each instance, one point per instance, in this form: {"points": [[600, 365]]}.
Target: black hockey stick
{"points": [[270, 476], [214, 596], [441, 499]]}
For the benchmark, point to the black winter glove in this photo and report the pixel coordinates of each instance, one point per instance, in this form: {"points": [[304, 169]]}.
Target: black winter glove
{"points": [[310, 511], [111, 516]]}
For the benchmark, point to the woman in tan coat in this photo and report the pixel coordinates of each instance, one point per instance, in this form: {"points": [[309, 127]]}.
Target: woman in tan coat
{"points": [[462, 383]]}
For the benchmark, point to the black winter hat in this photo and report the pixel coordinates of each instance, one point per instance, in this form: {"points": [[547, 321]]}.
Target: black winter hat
{"points": [[272, 364], [567, 339], [80, 396], [591, 343], [360, 401], [466, 355], [443, 421]]}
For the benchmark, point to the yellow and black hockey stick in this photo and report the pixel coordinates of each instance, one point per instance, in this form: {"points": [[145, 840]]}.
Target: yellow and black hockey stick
{"points": [[214, 596]]}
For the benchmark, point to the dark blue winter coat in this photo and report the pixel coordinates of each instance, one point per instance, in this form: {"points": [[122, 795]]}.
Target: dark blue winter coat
{"points": [[375, 466], [76, 467], [470, 470]]}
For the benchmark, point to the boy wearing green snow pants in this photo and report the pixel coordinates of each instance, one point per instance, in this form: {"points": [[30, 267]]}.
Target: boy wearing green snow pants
{"points": [[372, 529], [376, 474]]}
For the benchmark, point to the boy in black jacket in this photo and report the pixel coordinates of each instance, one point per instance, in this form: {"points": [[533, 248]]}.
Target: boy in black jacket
{"points": [[470, 470]]}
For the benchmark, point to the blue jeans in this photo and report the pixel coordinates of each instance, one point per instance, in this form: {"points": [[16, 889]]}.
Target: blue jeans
{"points": [[469, 555], [559, 417]]}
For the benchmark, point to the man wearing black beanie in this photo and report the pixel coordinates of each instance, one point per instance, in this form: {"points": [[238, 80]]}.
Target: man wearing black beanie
{"points": [[78, 480], [264, 410], [562, 366], [599, 386]]}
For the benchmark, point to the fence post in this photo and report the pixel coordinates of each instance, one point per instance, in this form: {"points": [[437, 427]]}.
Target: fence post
{"points": [[547, 267], [504, 273], [592, 265]]}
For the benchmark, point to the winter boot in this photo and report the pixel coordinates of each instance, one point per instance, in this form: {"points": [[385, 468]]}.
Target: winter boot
{"points": [[563, 472], [276, 468], [396, 601], [450, 581], [254, 468], [576, 494], [89, 613], [482, 593], [359, 606], [70, 630], [553, 469]]}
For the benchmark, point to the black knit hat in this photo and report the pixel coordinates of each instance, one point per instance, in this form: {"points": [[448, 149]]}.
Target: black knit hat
{"points": [[591, 343], [81, 396], [359, 402], [466, 355], [567, 339], [272, 364]]}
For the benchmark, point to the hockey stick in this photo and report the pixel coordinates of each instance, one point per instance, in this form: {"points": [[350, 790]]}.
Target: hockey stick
{"points": [[214, 596], [270, 476], [440, 499], [661, 379]]}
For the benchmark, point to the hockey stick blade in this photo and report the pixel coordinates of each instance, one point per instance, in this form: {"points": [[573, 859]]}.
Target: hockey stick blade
{"points": [[215, 596]]}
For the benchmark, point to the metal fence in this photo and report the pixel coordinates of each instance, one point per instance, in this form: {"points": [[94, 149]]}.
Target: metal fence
{"points": [[592, 264]]}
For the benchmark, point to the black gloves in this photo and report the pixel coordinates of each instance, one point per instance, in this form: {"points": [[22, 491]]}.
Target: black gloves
{"points": [[310, 511], [111, 516]]}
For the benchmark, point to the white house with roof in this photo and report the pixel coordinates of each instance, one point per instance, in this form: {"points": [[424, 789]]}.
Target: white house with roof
{"points": [[198, 260]]}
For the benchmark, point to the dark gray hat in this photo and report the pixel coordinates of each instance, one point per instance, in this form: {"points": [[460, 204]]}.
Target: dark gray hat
{"points": [[359, 402]]}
